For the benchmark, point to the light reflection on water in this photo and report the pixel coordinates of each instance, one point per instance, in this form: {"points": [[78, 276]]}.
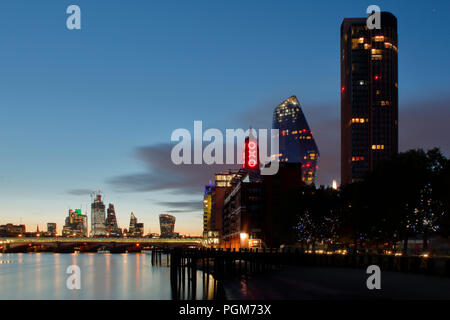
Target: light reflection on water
{"points": [[103, 276]]}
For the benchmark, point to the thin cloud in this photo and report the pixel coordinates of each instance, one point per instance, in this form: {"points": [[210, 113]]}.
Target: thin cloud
{"points": [[79, 192], [163, 175], [182, 206]]}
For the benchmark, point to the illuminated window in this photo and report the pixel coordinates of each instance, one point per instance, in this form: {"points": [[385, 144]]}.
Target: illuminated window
{"points": [[360, 120], [378, 147], [377, 57], [377, 51], [388, 45], [379, 38], [367, 46]]}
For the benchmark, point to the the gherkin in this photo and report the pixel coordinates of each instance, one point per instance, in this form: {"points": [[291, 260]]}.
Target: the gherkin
{"points": [[296, 142]]}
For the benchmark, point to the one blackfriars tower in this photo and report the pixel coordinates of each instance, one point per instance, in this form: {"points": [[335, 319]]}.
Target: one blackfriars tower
{"points": [[369, 95], [296, 141]]}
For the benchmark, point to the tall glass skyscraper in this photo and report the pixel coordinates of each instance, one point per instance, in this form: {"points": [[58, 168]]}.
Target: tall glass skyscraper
{"points": [[297, 143], [369, 95], [98, 213], [112, 228]]}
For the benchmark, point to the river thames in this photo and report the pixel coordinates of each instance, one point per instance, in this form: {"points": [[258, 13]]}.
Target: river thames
{"points": [[103, 276]]}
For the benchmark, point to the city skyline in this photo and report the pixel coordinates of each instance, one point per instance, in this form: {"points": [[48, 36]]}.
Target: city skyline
{"points": [[100, 117]]}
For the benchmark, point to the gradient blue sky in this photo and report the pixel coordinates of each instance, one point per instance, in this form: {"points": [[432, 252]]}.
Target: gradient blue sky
{"points": [[76, 105]]}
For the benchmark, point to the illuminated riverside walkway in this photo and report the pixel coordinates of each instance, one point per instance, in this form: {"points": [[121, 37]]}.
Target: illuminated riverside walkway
{"points": [[62, 244]]}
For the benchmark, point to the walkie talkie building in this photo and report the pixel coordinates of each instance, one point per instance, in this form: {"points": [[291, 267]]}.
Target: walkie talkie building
{"points": [[167, 225]]}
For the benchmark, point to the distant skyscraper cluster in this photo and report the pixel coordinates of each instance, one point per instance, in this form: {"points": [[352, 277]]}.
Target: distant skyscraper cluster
{"points": [[103, 222], [369, 95]]}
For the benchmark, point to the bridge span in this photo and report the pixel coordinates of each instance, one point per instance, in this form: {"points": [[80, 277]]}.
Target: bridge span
{"points": [[114, 245]]}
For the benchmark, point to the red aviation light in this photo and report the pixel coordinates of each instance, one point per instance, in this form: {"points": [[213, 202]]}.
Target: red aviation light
{"points": [[342, 89], [377, 77]]}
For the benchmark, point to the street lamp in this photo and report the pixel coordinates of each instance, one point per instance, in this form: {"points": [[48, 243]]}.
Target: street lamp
{"points": [[244, 240]]}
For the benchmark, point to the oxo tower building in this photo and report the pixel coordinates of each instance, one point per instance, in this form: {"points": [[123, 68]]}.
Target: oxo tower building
{"points": [[296, 142]]}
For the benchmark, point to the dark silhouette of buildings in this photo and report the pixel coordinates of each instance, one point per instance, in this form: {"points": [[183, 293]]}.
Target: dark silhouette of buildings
{"points": [[259, 210], [369, 95], [280, 194], [11, 230], [51, 229], [297, 144], [242, 211]]}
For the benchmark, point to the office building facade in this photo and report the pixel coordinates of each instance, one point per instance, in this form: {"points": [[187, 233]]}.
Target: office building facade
{"points": [[167, 225], [369, 95], [98, 217], [75, 224], [296, 141], [112, 229], [136, 229]]}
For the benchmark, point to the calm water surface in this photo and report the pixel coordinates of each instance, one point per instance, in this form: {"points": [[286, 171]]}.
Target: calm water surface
{"points": [[103, 276]]}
